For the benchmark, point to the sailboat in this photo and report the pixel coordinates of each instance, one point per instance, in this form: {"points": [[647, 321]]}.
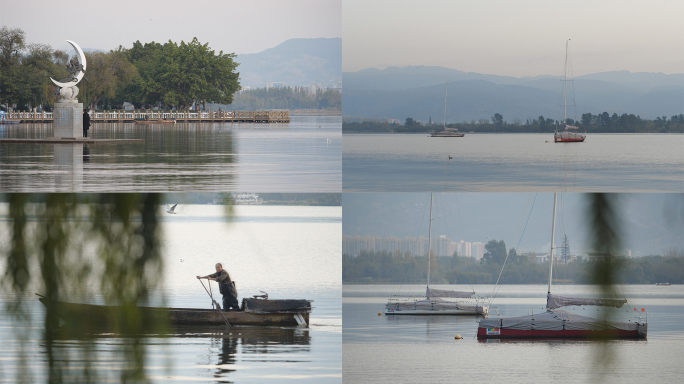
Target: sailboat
{"points": [[434, 303], [446, 132], [561, 324], [570, 133]]}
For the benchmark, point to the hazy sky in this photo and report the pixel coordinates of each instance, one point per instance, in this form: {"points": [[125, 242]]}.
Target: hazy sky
{"points": [[515, 38], [245, 26]]}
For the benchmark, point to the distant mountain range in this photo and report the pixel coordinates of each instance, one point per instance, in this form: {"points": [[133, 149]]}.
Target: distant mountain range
{"points": [[418, 92], [295, 62]]}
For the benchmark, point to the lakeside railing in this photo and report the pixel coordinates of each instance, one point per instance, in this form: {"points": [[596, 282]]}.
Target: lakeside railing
{"points": [[179, 116]]}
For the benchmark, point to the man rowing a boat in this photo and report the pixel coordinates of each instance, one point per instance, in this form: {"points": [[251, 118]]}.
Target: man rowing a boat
{"points": [[226, 287]]}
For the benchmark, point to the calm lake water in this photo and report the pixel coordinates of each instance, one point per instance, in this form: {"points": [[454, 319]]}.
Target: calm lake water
{"points": [[513, 163], [302, 156], [289, 252], [411, 349]]}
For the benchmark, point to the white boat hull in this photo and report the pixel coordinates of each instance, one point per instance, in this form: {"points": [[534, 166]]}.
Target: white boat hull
{"points": [[449, 312]]}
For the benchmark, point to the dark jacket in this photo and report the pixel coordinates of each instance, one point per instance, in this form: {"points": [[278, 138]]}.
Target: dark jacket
{"points": [[86, 121], [226, 285]]}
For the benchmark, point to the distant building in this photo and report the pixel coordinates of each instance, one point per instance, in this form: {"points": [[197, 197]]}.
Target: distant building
{"points": [[275, 84], [418, 246], [477, 250], [314, 88], [593, 255], [463, 248], [354, 119]]}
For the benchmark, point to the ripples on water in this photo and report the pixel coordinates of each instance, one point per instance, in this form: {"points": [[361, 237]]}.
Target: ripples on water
{"points": [[410, 349], [301, 156], [513, 163], [289, 252]]}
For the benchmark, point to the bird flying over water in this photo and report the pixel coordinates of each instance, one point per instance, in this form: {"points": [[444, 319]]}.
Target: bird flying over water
{"points": [[171, 210]]}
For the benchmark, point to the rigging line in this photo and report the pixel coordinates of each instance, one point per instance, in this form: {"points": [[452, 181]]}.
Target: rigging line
{"points": [[445, 185], [418, 234], [528, 220], [494, 292]]}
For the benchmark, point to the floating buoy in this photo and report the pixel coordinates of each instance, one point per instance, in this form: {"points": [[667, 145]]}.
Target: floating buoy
{"points": [[379, 313], [546, 141], [457, 337]]}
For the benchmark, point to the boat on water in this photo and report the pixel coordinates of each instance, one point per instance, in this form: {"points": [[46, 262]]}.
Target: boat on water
{"points": [[433, 303], [446, 132], [252, 312], [245, 198], [663, 284], [570, 133], [561, 324]]}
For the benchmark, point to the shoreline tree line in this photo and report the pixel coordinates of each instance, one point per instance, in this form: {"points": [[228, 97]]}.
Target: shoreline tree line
{"points": [[600, 123], [168, 75], [149, 75], [398, 267]]}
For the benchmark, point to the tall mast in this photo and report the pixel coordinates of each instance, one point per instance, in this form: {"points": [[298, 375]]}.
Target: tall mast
{"points": [[565, 84], [445, 94], [429, 242], [553, 232]]}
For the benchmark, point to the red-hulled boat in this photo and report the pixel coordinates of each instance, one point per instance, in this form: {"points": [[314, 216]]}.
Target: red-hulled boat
{"points": [[569, 134], [560, 324]]}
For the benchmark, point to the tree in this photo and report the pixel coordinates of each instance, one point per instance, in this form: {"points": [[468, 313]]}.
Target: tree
{"points": [[410, 122], [12, 43], [495, 252], [497, 119], [180, 75], [34, 72], [106, 73]]}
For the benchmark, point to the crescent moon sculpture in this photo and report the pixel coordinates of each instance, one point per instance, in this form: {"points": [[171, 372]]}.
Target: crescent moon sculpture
{"points": [[79, 75]]}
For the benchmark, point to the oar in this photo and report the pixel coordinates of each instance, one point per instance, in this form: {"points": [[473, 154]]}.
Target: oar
{"points": [[214, 301]]}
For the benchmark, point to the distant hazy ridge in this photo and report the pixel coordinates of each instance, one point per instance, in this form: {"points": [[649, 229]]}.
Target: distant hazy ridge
{"points": [[295, 62], [418, 92]]}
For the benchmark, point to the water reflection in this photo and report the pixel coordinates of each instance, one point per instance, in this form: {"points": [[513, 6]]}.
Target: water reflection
{"points": [[69, 160], [233, 157], [217, 349]]}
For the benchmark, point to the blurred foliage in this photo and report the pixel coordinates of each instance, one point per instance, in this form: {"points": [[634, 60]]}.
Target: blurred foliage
{"points": [[83, 247]]}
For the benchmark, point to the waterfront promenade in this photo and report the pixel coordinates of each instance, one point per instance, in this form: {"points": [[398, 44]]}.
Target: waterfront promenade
{"points": [[179, 117]]}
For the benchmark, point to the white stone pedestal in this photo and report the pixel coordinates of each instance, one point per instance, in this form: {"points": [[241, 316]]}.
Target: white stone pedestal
{"points": [[68, 120]]}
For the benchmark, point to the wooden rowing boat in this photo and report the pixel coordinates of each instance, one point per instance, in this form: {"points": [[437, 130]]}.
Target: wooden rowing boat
{"points": [[253, 312]]}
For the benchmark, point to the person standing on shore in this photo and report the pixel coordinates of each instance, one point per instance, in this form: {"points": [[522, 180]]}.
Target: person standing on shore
{"points": [[86, 123]]}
